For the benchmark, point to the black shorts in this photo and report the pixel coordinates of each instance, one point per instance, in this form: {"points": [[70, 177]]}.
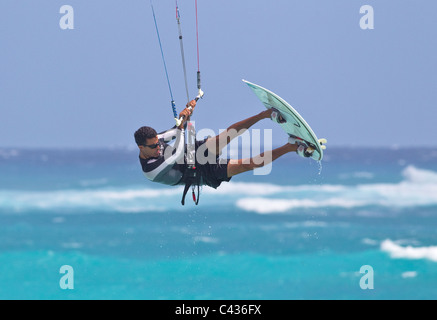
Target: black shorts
{"points": [[213, 172]]}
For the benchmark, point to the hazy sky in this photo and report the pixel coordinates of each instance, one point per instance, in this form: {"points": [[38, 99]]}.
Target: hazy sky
{"points": [[93, 86]]}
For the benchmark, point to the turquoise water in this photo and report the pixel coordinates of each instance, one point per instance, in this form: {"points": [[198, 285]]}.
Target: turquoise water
{"points": [[296, 233]]}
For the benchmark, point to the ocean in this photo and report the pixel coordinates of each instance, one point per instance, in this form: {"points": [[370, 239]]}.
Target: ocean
{"points": [[86, 224]]}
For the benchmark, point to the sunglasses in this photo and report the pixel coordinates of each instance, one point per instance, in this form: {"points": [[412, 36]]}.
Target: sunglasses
{"points": [[152, 146]]}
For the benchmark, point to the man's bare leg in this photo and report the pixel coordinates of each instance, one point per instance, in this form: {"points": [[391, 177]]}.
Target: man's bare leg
{"points": [[216, 144], [243, 165]]}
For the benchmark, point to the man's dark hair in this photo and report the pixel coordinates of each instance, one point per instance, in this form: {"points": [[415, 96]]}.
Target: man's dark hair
{"points": [[144, 133]]}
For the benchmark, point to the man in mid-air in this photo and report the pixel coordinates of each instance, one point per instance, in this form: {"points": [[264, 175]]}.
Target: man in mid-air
{"points": [[168, 165]]}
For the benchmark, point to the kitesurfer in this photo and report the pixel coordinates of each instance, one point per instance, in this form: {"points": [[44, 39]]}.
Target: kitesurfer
{"points": [[167, 164]]}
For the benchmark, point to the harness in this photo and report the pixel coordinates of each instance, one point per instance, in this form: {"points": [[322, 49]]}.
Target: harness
{"points": [[192, 178], [192, 175]]}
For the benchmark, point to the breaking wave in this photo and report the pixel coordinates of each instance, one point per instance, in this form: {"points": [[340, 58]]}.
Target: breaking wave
{"points": [[397, 251], [418, 188]]}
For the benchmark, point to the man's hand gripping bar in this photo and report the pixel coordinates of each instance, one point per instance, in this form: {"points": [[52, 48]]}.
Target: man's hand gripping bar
{"points": [[181, 119]]}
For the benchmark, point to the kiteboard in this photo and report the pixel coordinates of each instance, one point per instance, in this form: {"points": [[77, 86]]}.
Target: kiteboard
{"points": [[294, 125]]}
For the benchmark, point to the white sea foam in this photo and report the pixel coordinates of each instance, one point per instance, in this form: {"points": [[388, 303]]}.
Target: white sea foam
{"points": [[205, 239], [124, 200], [264, 189], [370, 242], [409, 274], [397, 251], [420, 176], [266, 205], [419, 188]]}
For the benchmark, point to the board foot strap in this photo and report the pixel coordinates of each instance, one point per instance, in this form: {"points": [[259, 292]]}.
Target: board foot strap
{"points": [[277, 117]]}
